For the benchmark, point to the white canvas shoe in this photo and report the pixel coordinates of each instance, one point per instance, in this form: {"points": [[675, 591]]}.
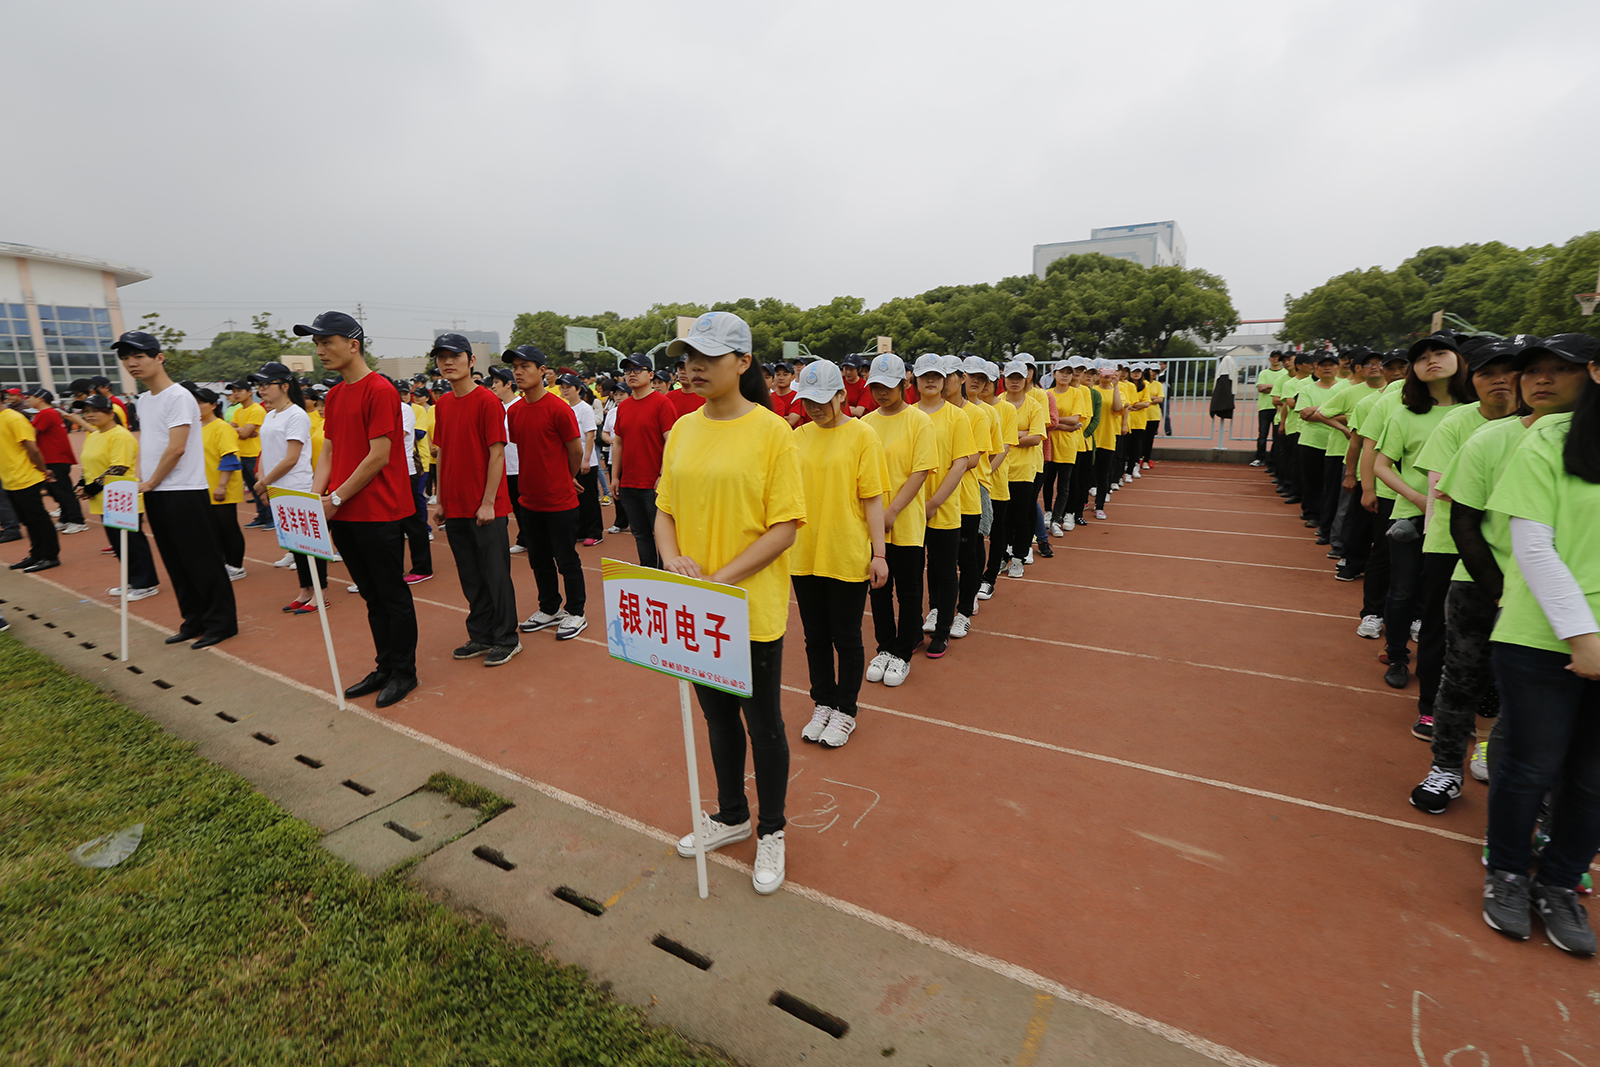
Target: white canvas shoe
{"points": [[876, 668]]}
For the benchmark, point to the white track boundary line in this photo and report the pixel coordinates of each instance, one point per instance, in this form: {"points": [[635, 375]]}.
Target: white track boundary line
{"points": [[1197, 559], [1014, 972], [1172, 596], [1219, 533]]}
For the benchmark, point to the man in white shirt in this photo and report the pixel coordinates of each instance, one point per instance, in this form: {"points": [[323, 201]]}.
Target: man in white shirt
{"points": [[172, 479]]}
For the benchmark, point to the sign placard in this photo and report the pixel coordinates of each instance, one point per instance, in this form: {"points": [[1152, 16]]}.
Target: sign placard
{"points": [[695, 631], [120, 503], [301, 526]]}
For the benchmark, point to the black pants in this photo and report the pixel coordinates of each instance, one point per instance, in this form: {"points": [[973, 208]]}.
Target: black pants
{"points": [[830, 613], [1148, 442], [248, 466], [970, 562], [898, 631], [483, 563], [1277, 452], [43, 543], [1104, 460], [944, 582], [1289, 465], [1020, 517], [1332, 487], [591, 523], [1466, 685], [374, 553], [1357, 534], [1400, 607], [415, 528], [640, 507], [1057, 489], [1078, 492], [61, 490], [1263, 431], [1375, 586], [187, 540], [1436, 570], [230, 538], [763, 724], [1310, 483], [141, 565], [999, 534], [550, 539], [302, 569]]}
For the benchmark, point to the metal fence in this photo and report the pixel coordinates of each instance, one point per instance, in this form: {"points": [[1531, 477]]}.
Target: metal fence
{"points": [[1187, 414]]}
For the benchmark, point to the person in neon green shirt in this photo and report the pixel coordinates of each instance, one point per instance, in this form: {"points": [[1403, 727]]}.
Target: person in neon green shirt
{"points": [[1265, 412], [1320, 498]]}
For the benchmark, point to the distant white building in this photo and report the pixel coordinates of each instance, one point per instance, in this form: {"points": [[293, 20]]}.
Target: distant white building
{"points": [[1149, 244], [59, 313]]}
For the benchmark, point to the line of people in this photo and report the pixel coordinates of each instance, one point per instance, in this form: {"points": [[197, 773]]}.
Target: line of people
{"points": [[1459, 481]]}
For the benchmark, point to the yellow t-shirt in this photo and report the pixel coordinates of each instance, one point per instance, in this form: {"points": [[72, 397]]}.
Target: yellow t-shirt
{"points": [[1020, 465], [908, 446], [1126, 389], [115, 447], [1137, 419], [985, 430], [1105, 434], [424, 413], [316, 443], [316, 419], [1042, 395], [1000, 481], [953, 439], [841, 469], [1066, 444], [221, 439], [16, 469], [251, 414], [726, 483], [1156, 393]]}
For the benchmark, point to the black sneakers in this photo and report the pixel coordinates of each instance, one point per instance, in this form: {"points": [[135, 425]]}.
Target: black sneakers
{"points": [[1506, 904], [1566, 924], [1397, 676], [1436, 791], [471, 650]]}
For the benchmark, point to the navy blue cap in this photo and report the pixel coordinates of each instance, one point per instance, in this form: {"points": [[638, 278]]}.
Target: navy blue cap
{"points": [[1442, 339], [570, 379], [100, 381], [665, 376], [96, 401], [206, 396], [633, 361], [136, 341], [530, 353], [1572, 347], [272, 372], [80, 385], [331, 380], [331, 324], [1491, 350], [500, 374], [450, 342]]}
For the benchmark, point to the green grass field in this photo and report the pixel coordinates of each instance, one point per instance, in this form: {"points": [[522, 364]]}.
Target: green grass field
{"points": [[230, 936]]}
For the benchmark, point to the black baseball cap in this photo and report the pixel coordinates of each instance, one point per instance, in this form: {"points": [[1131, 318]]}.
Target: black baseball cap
{"points": [[135, 341], [531, 353], [331, 324], [570, 379], [1396, 355], [664, 376], [450, 342], [331, 380], [80, 385], [207, 396], [272, 372], [1442, 339], [100, 381], [633, 361], [1328, 355], [94, 400], [500, 374], [1305, 357], [782, 365], [1572, 347], [1492, 350], [42, 393]]}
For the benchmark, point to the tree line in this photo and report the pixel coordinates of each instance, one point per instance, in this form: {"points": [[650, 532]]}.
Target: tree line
{"points": [[1494, 287]]}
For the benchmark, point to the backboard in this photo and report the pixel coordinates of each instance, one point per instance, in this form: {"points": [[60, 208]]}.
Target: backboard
{"points": [[583, 339]]}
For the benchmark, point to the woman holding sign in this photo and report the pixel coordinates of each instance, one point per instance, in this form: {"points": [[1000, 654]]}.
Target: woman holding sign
{"points": [[732, 470], [112, 452], [286, 462]]}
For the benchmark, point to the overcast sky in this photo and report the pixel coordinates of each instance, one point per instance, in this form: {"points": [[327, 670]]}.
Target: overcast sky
{"points": [[461, 162]]}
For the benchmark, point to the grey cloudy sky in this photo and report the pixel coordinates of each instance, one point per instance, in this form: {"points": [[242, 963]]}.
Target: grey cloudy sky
{"points": [[466, 161]]}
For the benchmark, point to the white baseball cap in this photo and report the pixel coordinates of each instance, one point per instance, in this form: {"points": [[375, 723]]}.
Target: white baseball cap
{"points": [[1023, 357], [716, 333], [819, 382], [994, 369], [976, 365], [928, 363], [1016, 366], [952, 365], [887, 369]]}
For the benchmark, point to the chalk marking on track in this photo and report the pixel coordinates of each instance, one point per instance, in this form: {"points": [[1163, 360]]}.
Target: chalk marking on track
{"points": [[1224, 533], [1012, 971], [1171, 596], [1201, 559]]}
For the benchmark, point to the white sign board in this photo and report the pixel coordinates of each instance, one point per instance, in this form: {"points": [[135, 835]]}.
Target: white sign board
{"points": [[120, 503], [693, 630], [300, 523]]}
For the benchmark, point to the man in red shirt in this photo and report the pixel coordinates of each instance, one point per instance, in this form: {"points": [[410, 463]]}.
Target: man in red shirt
{"points": [[683, 401], [638, 438], [469, 436], [784, 400], [361, 476], [56, 447], [858, 400], [549, 451]]}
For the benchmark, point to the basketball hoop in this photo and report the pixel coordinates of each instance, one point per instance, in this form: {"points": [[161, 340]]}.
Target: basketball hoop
{"points": [[1587, 301]]}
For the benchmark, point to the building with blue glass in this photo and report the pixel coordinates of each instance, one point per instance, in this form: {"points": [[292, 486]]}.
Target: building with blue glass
{"points": [[59, 313]]}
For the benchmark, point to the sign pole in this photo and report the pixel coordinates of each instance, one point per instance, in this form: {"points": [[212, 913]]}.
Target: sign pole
{"points": [[694, 789], [327, 634], [124, 591]]}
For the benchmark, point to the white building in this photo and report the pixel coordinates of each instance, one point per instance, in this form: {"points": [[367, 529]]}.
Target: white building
{"points": [[59, 313], [1149, 244]]}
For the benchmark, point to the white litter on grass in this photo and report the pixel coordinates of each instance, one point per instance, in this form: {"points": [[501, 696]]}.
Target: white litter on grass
{"points": [[109, 849]]}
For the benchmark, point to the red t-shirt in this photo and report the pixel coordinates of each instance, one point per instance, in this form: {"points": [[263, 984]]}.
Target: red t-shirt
{"points": [[51, 430], [859, 395], [640, 425], [354, 414], [541, 429], [463, 429], [783, 403], [683, 402]]}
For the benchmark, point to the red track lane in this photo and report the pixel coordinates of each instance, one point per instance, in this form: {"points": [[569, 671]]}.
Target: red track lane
{"points": [[1299, 933]]}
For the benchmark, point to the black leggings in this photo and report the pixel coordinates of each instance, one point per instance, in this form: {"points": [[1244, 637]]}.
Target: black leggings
{"points": [[897, 604], [762, 724], [1057, 488], [970, 563], [999, 533], [1104, 459], [1149, 442], [1078, 493], [944, 554], [830, 612], [1020, 517]]}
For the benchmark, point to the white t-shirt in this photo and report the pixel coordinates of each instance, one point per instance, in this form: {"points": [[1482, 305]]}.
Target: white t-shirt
{"points": [[585, 415], [511, 449], [158, 414], [277, 430], [408, 425]]}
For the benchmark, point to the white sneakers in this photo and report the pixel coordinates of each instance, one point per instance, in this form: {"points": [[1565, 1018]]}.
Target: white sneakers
{"points": [[985, 590], [1479, 764], [768, 874], [1416, 630], [960, 625], [1055, 529], [714, 834], [1068, 524], [571, 626], [1099, 513], [286, 562], [134, 594], [1371, 627], [1015, 570], [1028, 559], [840, 727], [234, 573], [1136, 473], [517, 550], [876, 668], [73, 527], [347, 589], [541, 621], [819, 722], [931, 623], [895, 673], [769, 866]]}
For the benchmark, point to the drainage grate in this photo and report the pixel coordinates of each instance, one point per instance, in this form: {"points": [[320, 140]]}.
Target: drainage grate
{"points": [[109, 655], [579, 901], [494, 856], [351, 783], [134, 669], [225, 717], [31, 615], [86, 644], [404, 831], [191, 700], [309, 762], [68, 633], [831, 1025], [48, 625], [682, 951], [265, 739], [159, 684]]}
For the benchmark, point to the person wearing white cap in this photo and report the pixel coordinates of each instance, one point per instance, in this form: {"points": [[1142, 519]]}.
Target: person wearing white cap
{"points": [[941, 498], [1021, 512], [1138, 417], [1066, 442], [910, 453], [974, 375], [999, 482], [731, 472], [843, 472], [1105, 436], [1156, 393]]}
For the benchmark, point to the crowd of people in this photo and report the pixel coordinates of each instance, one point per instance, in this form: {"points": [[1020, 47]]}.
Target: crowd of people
{"points": [[1459, 482]]}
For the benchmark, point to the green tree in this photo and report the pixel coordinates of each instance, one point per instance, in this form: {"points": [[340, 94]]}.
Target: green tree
{"points": [[1432, 264], [1549, 305], [1175, 300], [1372, 307]]}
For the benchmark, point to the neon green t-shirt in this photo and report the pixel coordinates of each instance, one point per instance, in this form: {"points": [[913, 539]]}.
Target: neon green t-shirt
{"points": [[1470, 481], [1462, 422], [1344, 402], [1314, 395], [1289, 389], [1268, 376], [1536, 486], [1372, 425], [1405, 434]]}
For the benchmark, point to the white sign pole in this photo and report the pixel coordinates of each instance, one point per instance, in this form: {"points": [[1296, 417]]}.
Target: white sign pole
{"points": [[327, 634], [694, 789], [124, 590], [303, 529]]}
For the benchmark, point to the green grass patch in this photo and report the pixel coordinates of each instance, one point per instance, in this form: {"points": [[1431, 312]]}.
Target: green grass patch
{"points": [[230, 936], [468, 795]]}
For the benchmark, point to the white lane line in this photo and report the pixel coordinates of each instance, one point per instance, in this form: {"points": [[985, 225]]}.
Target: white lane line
{"points": [[1219, 533], [1192, 492], [1171, 596], [1014, 972], [1199, 559], [1208, 511]]}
